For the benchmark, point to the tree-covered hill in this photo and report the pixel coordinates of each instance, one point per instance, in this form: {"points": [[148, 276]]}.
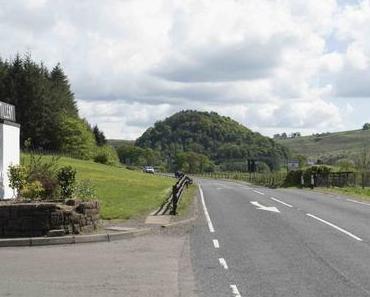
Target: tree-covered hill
{"points": [[221, 139]]}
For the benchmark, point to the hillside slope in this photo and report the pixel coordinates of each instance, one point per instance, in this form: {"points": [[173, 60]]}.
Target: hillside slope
{"points": [[220, 138], [119, 142], [332, 145], [123, 193]]}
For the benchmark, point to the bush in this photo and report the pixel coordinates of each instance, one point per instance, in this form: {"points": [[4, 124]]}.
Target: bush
{"points": [[101, 158], [107, 155], [32, 190], [294, 177], [67, 179], [44, 171], [85, 190], [17, 178]]}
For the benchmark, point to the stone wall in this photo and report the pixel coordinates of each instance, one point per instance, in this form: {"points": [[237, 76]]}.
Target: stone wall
{"points": [[48, 218]]}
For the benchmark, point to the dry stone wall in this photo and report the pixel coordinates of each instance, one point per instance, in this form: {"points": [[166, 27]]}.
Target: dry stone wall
{"points": [[48, 218]]}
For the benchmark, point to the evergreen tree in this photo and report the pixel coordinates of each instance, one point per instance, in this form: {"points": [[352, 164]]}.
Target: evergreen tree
{"points": [[62, 96], [99, 136], [43, 101]]}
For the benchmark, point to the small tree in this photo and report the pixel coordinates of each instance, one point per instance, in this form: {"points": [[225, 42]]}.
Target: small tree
{"points": [[67, 179], [366, 126], [75, 137]]}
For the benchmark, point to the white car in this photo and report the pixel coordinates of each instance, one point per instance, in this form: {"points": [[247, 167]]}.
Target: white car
{"points": [[149, 169]]}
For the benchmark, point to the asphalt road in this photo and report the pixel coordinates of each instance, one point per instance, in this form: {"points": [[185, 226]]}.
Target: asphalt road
{"points": [[247, 241], [307, 244]]}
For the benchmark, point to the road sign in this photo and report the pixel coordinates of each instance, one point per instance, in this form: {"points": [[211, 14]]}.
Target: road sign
{"points": [[7, 111]]}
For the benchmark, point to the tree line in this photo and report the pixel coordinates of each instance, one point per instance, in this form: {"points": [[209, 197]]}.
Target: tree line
{"points": [[47, 110]]}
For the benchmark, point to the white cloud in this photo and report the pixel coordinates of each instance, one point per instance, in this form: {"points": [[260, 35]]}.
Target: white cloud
{"points": [[264, 62]]}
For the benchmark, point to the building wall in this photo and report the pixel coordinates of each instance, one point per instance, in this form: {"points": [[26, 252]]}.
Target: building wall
{"points": [[9, 155]]}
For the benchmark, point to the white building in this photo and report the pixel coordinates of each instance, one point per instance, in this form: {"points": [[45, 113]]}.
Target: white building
{"points": [[9, 147]]}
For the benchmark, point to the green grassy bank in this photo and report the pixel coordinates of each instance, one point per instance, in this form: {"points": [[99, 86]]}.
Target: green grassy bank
{"points": [[123, 193]]}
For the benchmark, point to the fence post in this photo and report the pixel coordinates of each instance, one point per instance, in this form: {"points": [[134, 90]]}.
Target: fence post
{"points": [[174, 199]]}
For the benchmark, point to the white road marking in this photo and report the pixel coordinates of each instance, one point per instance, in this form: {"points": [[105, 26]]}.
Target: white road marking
{"points": [[262, 207], [223, 263], [216, 244], [277, 200], [335, 227], [359, 202], [209, 222], [235, 291], [259, 192]]}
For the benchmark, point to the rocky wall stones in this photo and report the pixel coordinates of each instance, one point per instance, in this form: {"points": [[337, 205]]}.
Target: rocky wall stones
{"points": [[38, 218]]}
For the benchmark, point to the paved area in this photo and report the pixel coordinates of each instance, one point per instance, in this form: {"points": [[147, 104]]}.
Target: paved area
{"points": [[281, 243], [151, 265]]}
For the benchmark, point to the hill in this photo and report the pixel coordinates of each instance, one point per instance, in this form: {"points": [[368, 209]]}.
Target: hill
{"points": [[116, 143], [329, 146], [220, 138], [123, 193]]}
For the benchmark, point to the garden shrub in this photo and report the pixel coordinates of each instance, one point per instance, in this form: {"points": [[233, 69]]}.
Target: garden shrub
{"points": [[17, 178], [32, 190], [44, 170], [66, 179]]}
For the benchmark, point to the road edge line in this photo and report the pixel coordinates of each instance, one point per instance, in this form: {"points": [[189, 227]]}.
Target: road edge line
{"points": [[335, 227], [208, 218]]}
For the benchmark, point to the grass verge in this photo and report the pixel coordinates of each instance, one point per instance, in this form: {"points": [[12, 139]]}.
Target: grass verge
{"points": [[123, 193], [356, 192], [186, 200]]}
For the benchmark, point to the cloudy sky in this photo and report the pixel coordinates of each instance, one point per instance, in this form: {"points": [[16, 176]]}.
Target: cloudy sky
{"points": [[273, 65]]}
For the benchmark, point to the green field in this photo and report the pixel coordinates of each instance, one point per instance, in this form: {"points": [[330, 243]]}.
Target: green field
{"points": [[334, 144], [123, 193]]}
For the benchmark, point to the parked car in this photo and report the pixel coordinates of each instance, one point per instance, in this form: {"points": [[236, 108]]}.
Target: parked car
{"points": [[149, 169]]}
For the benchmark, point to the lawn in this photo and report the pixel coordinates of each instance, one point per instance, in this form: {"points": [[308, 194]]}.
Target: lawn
{"points": [[123, 193]]}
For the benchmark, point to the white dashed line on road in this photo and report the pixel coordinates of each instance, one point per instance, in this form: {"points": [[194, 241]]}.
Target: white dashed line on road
{"points": [[223, 263], [209, 222], [216, 244], [335, 227], [279, 201], [235, 291], [258, 192], [359, 202]]}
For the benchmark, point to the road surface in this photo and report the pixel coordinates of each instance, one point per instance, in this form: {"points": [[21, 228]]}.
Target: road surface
{"points": [[262, 242], [247, 241]]}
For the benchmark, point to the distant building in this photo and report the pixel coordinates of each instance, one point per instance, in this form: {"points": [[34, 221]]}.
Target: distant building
{"points": [[311, 162], [293, 165]]}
